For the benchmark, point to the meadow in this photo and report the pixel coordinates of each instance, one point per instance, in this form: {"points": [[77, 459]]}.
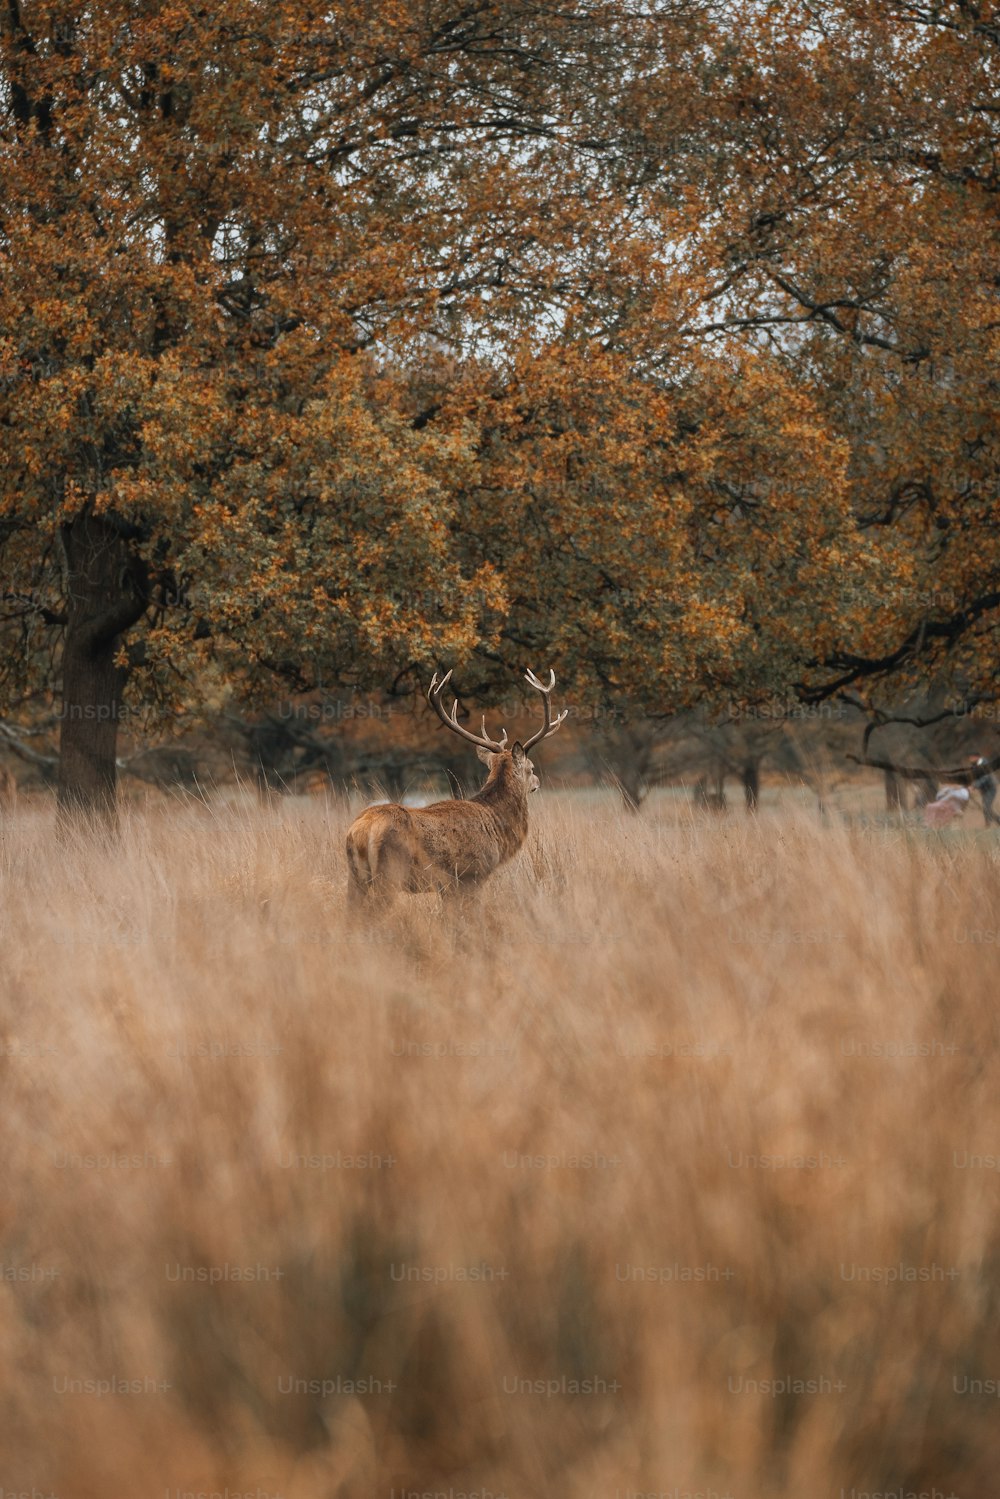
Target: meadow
{"points": [[671, 1167]]}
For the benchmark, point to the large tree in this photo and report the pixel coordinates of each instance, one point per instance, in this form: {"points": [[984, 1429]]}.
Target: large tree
{"points": [[642, 340], [224, 231]]}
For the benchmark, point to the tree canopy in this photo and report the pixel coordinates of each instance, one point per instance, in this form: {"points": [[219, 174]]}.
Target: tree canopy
{"points": [[655, 343]]}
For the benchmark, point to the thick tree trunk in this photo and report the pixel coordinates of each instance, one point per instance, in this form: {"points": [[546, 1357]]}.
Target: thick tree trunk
{"points": [[895, 792], [629, 764], [751, 784], [632, 790], [106, 595], [394, 779]]}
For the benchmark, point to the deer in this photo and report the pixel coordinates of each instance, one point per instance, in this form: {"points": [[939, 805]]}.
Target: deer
{"points": [[451, 846]]}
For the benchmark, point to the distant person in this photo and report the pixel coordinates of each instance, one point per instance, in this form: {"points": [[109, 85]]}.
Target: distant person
{"points": [[949, 804], [985, 783]]}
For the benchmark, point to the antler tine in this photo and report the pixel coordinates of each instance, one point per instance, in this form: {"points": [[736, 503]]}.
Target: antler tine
{"points": [[529, 676], [502, 742], [549, 724], [450, 720]]}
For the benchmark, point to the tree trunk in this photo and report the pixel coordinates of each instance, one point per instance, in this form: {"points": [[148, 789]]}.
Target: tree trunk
{"points": [[629, 764], [751, 784], [895, 792], [106, 587], [632, 792], [394, 779]]}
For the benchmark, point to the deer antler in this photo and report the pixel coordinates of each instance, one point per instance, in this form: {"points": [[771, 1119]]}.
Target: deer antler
{"points": [[450, 720], [551, 724]]}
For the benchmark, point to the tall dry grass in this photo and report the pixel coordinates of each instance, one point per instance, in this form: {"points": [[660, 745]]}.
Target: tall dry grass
{"points": [[530, 1200]]}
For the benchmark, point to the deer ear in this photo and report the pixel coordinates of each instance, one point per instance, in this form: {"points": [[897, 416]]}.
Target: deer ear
{"points": [[517, 752], [484, 754]]}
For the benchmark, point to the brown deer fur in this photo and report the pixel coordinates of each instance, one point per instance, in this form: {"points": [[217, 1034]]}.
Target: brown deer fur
{"points": [[452, 845]]}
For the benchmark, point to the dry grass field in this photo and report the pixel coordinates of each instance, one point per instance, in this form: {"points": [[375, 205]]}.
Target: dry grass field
{"points": [[671, 1168]]}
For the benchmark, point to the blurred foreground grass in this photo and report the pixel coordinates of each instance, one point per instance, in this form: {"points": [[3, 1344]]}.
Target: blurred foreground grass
{"points": [[670, 1169]]}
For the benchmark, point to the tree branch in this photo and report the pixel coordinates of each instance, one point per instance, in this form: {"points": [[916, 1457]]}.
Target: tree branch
{"points": [[962, 775]]}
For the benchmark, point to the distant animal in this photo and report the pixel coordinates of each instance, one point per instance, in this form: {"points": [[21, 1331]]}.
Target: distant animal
{"points": [[8, 790], [452, 845]]}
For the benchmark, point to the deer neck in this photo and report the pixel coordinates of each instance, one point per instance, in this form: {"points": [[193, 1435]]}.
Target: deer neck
{"points": [[505, 795]]}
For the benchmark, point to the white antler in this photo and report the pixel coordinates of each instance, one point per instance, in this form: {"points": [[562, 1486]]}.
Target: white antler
{"points": [[550, 724], [450, 720]]}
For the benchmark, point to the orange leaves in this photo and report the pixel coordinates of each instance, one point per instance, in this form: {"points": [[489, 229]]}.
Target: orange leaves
{"points": [[635, 525], [597, 329]]}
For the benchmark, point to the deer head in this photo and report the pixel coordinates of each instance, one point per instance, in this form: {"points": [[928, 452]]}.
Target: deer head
{"points": [[489, 750]]}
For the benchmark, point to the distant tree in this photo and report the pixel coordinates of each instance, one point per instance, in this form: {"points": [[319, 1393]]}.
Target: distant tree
{"points": [[224, 232], [668, 538], [850, 223], [624, 751]]}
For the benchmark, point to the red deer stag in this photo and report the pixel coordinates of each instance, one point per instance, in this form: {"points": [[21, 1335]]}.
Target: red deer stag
{"points": [[452, 845]]}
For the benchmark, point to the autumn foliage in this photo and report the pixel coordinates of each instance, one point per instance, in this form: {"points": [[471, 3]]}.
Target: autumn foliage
{"points": [[658, 342]]}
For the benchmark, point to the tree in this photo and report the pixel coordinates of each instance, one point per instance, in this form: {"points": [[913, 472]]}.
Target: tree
{"points": [[224, 232], [636, 340], [625, 749], [667, 540], [853, 228]]}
